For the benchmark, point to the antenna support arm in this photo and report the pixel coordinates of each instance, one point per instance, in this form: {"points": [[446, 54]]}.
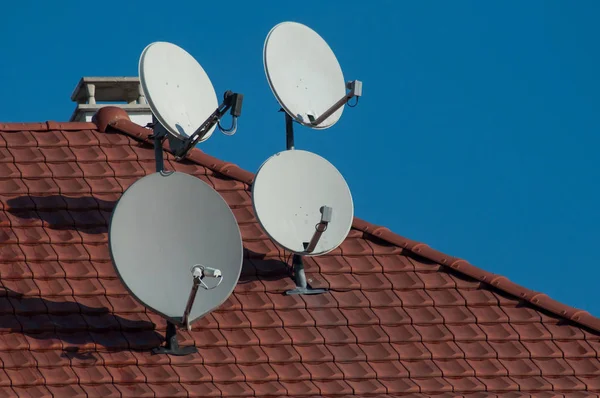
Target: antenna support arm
{"points": [[231, 101], [321, 227], [355, 88], [190, 302]]}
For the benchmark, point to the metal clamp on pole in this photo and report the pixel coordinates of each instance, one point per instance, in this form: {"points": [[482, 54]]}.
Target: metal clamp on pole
{"points": [[355, 88], [321, 227], [231, 101]]}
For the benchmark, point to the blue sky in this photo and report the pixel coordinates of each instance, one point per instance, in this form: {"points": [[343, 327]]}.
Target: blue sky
{"points": [[478, 132]]}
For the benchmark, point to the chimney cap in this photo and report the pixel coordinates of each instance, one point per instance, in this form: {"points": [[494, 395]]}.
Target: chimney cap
{"points": [[109, 89]]}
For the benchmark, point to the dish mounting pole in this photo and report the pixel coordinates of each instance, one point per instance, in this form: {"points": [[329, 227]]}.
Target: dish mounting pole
{"points": [[158, 136], [289, 131], [172, 346], [297, 262]]}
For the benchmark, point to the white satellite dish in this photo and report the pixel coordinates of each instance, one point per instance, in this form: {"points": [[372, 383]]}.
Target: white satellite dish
{"points": [[176, 247], [305, 75], [297, 193], [182, 97], [177, 88]]}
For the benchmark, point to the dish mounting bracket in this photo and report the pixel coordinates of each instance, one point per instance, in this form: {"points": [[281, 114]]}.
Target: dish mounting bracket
{"points": [[302, 287], [181, 146], [172, 346]]}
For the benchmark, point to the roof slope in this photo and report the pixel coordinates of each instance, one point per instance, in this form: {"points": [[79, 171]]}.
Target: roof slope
{"points": [[401, 318]]}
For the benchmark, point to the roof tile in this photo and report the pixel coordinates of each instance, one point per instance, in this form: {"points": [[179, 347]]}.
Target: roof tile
{"points": [[192, 373], [32, 392], [301, 388], [328, 317], [31, 341], [532, 383], [250, 354], [68, 391], [318, 352], [274, 389], [281, 353], [137, 390], [543, 349], [170, 390], [364, 264], [268, 319], [424, 316], [25, 377], [499, 383], [570, 383], [17, 359], [363, 370], [379, 351], [576, 349], [400, 386], [27, 170], [54, 155], [205, 389], [332, 264], [444, 350], [411, 351], [329, 387], [238, 389], [591, 382], [313, 301], [554, 367], [324, 371], [521, 367], [258, 372], [436, 333], [58, 376], [29, 154], [305, 335], [505, 331]]}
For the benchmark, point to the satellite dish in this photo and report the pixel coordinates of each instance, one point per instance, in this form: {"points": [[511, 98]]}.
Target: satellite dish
{"points": [[182, 98], [305, 76], [300, 197], [177, 89], [176, 247]]}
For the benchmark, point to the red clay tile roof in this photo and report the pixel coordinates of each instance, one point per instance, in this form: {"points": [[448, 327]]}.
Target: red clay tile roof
{"points": [[401, 318]]}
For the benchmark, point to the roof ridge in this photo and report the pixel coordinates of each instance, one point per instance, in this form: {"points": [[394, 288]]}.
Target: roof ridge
{"points": [[116, 118], [47, 126]]}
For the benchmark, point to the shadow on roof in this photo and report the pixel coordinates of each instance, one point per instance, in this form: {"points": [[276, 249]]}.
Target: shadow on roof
{"points": [[63, 212], [76, 325], [256, 266]]}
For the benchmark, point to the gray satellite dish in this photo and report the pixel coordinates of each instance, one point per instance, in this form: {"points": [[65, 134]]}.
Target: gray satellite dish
{"points": [[182, 98], [176, 247]]}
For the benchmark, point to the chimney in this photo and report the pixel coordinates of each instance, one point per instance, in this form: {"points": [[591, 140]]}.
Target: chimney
{"points": [[93, 93]]}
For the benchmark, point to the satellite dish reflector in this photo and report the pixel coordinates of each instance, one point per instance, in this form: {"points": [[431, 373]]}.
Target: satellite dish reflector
{"points": [[305, 75], [176, 246], [302, 200], [177, 89]]}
